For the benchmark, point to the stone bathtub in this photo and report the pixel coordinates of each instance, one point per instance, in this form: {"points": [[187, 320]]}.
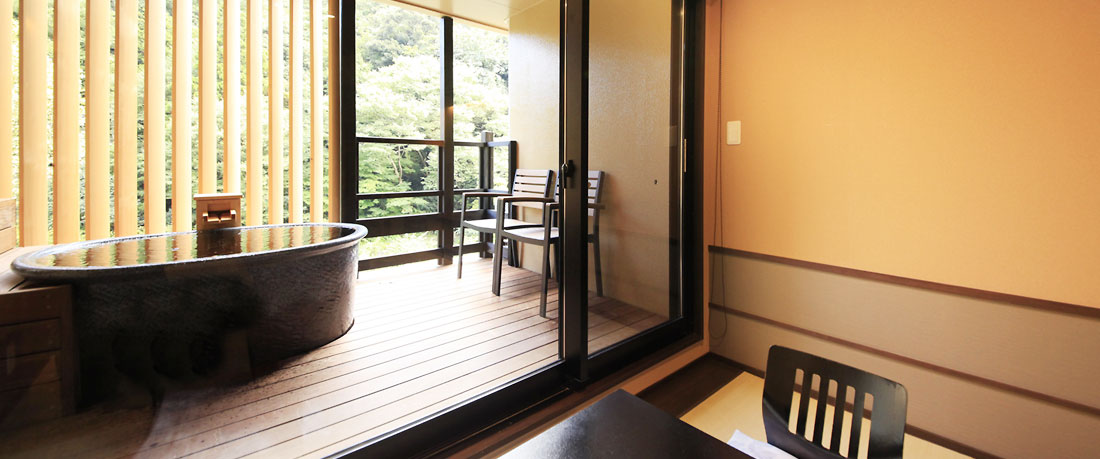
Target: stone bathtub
{"points": [[174, 307]]}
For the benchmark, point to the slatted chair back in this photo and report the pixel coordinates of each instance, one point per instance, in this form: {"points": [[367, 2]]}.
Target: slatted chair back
{"points": [[532, 183], [595, 193], [814, 379]]}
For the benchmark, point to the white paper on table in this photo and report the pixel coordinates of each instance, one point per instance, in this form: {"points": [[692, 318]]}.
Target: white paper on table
{"points": [[756, 448]]}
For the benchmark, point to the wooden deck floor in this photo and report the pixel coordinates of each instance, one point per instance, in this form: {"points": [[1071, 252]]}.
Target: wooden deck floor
{"points": [[422, 341]]}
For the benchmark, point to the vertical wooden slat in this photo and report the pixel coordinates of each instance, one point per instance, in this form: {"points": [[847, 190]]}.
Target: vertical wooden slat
{"points": [[7, 184], [208, 96], [125, 139], [126, 252], [294, 168], [33, 187], [232, 85], [154, 116], [275, 112], [181, 116], [97, 130], [255, 237], [254, 211], [66, 121], [156, 248], [183, 245], [333, 113], [316, 126]]}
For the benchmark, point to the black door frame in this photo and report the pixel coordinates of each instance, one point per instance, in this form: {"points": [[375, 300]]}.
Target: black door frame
{"points": [[576, 369]]}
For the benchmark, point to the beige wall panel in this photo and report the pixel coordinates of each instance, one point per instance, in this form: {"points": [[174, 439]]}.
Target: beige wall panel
{"points": [[7, 183], [66, 121], [33, 159], [629, 73], [294, 166], [999, 422], [316, 114], [125, 135], [97, 128], [275, 126], [628, 139], [254, 176], [333, 115], [533, 99], [181, 116], [208, 96], [155, 40], [887, 137], [1027, 347], [232, 98]]}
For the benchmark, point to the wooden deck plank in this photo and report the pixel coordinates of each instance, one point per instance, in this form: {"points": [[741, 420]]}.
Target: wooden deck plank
{"points": [[412, 353]]}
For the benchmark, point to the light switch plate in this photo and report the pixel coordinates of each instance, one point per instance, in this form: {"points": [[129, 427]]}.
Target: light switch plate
{"points": [[733, 133]]}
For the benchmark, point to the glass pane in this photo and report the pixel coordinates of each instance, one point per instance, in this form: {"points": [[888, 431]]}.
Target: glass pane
{"points": [[467, 167], [389, 207], [399, 243], [634, 261], [397, 72], [394, 167], [480, 82], [501, 180]]}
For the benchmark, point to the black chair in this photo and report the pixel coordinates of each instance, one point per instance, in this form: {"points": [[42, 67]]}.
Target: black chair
{"points": [[887, 413]]}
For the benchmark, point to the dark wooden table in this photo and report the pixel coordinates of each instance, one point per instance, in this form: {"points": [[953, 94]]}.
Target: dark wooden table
{"points": [[622, 425]]}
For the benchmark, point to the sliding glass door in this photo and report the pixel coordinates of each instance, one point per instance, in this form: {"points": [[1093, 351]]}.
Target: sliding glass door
{"points": [[596, 97], [625, 163]]}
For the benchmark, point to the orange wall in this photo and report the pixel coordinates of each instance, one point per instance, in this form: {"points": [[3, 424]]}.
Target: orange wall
{"points": [[950, 141]]}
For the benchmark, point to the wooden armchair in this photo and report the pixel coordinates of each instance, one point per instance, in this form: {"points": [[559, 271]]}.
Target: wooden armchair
{"points": [[547, 234], [527, 183]]}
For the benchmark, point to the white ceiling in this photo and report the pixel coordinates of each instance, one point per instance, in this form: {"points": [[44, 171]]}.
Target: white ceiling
{"points": [[491, 13]]}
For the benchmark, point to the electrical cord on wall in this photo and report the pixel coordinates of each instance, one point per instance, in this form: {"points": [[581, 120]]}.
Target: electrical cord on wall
{"points": [[718, 269]]}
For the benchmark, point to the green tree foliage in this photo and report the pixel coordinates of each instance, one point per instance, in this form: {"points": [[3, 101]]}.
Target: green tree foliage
{"points": [[398, 94]]}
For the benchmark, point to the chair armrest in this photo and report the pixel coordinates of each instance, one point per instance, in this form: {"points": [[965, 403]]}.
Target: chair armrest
{"points": [[511, 199], [479, 194], [484, 194]]}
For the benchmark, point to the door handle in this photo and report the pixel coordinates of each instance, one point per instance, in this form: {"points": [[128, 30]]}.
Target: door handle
{"points": [[566, 172]]}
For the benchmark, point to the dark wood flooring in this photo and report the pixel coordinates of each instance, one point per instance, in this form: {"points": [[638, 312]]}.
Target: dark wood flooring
{"points": [[685, 389]]}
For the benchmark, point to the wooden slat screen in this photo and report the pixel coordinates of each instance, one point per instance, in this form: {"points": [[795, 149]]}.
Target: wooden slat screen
{"points": [[275, 114], [333, 116], [254, 207], [232, 85], [155, 212], [33, 188], [294, 168], [208, 96], [7, 187], [181, 119], [66, 121], [316, 160], [126, 218], [135, 138], [97, 119]]}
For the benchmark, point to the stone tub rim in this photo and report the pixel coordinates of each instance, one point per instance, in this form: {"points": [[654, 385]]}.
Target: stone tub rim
{"points": [[22, 265]]}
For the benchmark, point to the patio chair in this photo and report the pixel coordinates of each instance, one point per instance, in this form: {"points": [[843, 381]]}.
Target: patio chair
{"points": [[527, 183], [887, 428], [546, 235]]}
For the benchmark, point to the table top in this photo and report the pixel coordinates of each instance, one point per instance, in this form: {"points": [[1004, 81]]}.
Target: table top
{"points": [[622, 425]]}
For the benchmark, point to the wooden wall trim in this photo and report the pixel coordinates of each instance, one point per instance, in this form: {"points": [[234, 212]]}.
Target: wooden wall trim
{"points": [[1017, 300], [993, 384]]}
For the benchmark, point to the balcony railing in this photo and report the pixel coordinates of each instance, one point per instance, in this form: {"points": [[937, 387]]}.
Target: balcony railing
{"points": [[445, 219]]}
